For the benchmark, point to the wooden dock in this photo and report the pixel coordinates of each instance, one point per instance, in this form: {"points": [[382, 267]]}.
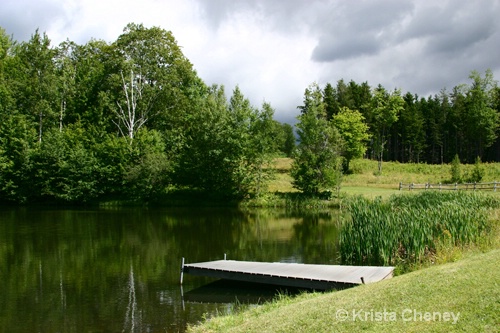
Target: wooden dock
{"points": [[319, 277]]}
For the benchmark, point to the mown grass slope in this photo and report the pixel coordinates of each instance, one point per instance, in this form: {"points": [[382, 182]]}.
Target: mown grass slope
{"points": [[463, 296]]}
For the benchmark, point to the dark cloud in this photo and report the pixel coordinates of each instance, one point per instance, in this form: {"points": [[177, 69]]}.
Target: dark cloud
{"points": [[358, 28], [343, 47], [286, 16], [453, 27], [21, 21]]}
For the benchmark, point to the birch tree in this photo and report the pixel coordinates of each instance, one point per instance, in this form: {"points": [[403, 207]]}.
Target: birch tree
{"points": [[133, 112]]}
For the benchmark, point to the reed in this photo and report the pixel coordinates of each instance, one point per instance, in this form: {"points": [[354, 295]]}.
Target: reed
{"points": [[407, 229]]}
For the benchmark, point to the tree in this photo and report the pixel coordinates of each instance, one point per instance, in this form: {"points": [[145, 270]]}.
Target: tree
{"points": [[477, 173], [354, 133], [317, 161], [289, 140], [228, 146], [331, 104], [90, 101], [483, 120], [17, 139], [385, 109], [411, 129], [150, 170], [263, 145], [150, 62], [6, 100], [456, 173], [65, 166], [66, 73], [36, 79], [132, 112]]}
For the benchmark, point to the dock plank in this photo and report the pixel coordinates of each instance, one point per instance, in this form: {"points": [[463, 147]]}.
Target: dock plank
{"points": [[290, 274]]}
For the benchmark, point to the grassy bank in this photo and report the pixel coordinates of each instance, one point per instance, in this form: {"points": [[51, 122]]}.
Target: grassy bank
{"points": [[423, 300], [449, 241]]}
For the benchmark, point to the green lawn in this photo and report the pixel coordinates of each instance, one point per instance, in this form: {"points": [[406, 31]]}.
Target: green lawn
{"points": [[463, 296]]}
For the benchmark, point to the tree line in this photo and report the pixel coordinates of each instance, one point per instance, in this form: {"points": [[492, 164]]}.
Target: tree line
{"points": [[125, 120], [353, 120], [131, 119], [463, 122]]}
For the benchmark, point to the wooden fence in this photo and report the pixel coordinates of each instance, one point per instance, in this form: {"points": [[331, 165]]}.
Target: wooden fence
{"points": [[453, 187]]}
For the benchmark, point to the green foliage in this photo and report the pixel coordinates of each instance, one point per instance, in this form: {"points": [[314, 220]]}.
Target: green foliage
{"points": [[34, 81], [477, 173], [317, 161], [354, 132], [16, 144], [412, 129], [456, 173], [288, 139], [409, 229], [482, 120], [65, 166], [150, 170], [385, 112], [229, 146]]}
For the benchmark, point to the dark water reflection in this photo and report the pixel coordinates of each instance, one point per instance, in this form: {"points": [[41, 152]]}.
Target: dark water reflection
{"points": [[117, 270]]}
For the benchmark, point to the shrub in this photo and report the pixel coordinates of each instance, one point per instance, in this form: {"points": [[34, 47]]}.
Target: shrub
{"points": [[456, 175]]}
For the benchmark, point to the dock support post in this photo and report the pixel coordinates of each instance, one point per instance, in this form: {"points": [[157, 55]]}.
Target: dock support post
{"points": [[363, 280], [224, 256], [182, 270]]}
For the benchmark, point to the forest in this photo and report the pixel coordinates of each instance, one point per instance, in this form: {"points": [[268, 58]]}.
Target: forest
{"points": [[131, 120]]}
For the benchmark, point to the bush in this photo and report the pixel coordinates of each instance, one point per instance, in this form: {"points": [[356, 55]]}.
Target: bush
{"points": [[477, 173]]}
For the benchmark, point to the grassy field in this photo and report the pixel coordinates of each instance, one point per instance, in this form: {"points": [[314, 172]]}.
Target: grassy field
{"points": [[364, 181], [454, 297]]}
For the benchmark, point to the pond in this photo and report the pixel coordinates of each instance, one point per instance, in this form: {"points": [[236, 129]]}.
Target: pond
{"points": [[118, 269]]}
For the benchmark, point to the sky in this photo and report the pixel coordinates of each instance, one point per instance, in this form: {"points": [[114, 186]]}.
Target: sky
{"points": [[274, 49]]}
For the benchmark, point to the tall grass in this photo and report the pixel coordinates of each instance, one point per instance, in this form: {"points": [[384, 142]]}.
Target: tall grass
{"points": [[410, 228]]}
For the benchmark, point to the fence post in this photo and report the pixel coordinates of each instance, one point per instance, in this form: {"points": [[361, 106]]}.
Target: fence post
{"points": [[400, 186], [456, 186], [495, 186], [474, 186], [440, 186], [411, 186]]}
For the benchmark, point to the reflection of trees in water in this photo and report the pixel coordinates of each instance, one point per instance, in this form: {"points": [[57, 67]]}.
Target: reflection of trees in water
{"points": [[75, 270], [132, 321], [316, 237]]}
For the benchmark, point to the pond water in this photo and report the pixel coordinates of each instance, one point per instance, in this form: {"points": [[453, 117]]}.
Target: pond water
{"points": [[118, 270]]}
